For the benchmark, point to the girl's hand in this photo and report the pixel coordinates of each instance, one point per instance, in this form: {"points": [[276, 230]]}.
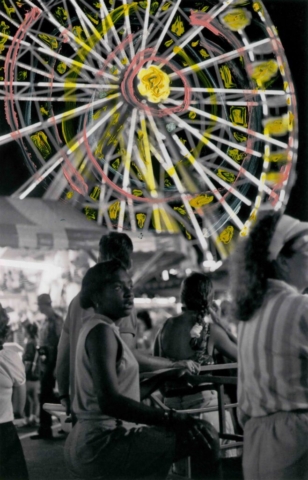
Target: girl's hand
{"points": [[206, 435], [199, 432], [190, 365], [66, 403]]}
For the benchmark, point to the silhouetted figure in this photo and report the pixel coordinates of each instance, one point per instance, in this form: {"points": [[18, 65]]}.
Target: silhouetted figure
{"points": [[49, 339], [31, 359]]}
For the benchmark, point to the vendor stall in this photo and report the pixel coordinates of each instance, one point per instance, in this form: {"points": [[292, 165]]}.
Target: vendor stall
{"points": [[46, 246]]}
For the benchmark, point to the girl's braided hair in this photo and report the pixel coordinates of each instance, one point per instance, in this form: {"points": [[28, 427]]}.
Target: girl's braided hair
{"points": [[4, 327], [197, 293], [116, 245], [251, 267]]}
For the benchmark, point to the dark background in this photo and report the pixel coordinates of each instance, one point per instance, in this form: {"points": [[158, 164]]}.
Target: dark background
{"points": [[291, 19]]}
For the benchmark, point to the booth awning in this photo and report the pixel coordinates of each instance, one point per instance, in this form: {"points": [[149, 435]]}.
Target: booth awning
{"points": [[37, 224]]}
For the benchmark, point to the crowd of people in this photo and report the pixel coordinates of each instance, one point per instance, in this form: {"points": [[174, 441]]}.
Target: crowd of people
{"points": [[96, 359]]}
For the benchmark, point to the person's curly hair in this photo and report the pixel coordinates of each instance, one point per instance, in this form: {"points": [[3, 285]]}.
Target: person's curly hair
{"points": [[116, 245], [196, 294], [251, 268], [4, 326]]}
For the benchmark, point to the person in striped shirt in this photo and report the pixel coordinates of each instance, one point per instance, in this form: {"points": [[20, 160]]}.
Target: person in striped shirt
{"points": [[270, 272]]}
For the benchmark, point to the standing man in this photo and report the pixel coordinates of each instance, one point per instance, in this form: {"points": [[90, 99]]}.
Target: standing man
{"points": [[48, 340], [111, 246]]}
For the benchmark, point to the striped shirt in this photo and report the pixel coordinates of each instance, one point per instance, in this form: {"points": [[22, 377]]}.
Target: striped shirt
{"points": [[273, 354]]}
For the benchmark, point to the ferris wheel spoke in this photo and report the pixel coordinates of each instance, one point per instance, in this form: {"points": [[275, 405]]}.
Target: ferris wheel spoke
{"points": [[74, 63], [210, 230], [248, 131], [14, 9], [130, 143], [98, 36], [230, 91], [147, 162], [213, 13], [213, 147], [37, 98], [126, 166], [22, 89], [167, 25], [180, 188], [75, 42], [194, 221], [107, 18], [165, 159], [41, 178], [129, 33], [60, 85], [102, 197], [87, 26], [163, 220], [145, 25], [240, 103], [221, 140], [29, 129], [184, 197], [219, 59], [43, 48], [205, 172], [86, 135], [28, 67], [233, 216], [184, 41], [25, 29], [157, 23], [109, 193], [237, 146]]}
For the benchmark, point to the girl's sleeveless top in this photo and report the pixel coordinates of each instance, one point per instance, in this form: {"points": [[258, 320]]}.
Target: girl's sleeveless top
{"points": [[85, 404]]}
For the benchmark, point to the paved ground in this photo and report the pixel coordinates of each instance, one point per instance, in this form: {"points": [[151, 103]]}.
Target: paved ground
{"points": [[45, 458]]}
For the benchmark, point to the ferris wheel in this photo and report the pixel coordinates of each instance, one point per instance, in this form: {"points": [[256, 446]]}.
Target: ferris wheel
{"points": [[168, 116]]}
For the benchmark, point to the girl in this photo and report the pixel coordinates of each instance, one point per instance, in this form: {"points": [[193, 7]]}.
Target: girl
{"points": [[270, 272], [111, 439], [193, 335]]}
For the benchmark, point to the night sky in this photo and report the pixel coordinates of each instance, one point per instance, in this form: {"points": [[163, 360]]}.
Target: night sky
{"points": [[291, 19]]}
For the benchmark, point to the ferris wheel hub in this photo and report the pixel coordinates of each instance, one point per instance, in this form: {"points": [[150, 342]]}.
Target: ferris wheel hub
{"points": [[153, 84]]}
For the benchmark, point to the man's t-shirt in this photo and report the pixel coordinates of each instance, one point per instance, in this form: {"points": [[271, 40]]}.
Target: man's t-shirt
{"points": [[76, 316], [49, 336]]}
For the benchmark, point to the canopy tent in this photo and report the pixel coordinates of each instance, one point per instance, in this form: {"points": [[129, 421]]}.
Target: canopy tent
{"points": [[34, 223], [42, 225]]}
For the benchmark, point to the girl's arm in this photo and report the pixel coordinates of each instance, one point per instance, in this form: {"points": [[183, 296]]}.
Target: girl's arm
{"points": [[103, 348], [222, 342], [19, 399]]}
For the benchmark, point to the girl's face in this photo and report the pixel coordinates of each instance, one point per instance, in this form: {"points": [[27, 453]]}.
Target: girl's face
{"points": [[298, 269], [116, 299]]}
